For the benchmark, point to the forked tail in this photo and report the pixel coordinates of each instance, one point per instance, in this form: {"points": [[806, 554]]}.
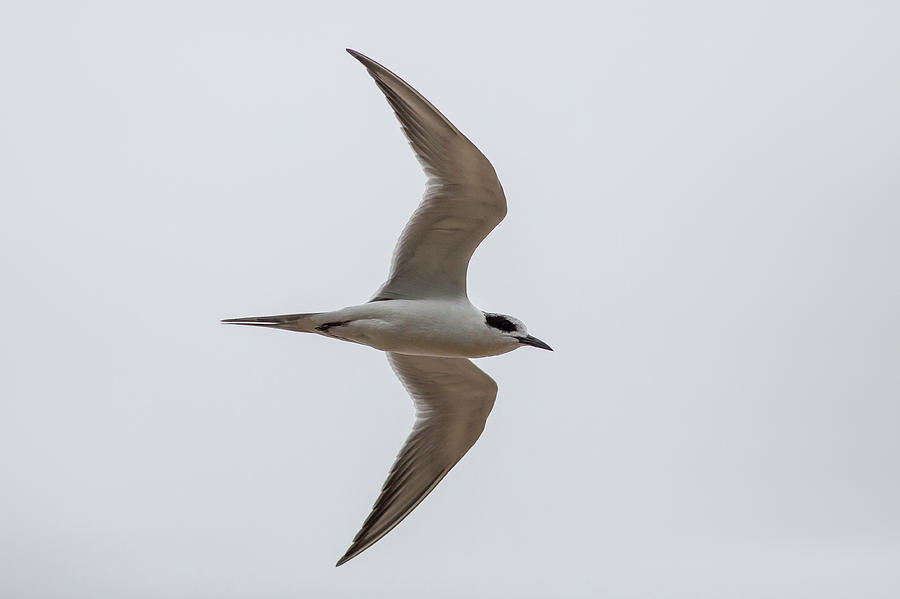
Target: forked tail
{"points": [[290, 322]]}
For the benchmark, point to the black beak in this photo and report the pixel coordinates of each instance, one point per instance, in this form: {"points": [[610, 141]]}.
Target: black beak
{"points": [[534, 342]]}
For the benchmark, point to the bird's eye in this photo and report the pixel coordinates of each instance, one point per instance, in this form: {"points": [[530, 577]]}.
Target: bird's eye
{"points": [[500, 322]]}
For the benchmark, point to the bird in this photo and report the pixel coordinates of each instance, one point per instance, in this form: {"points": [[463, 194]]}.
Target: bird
{"points": [[421, 317]]}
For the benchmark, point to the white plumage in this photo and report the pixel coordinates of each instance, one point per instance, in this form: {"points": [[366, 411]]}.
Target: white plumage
{"points": [[421, 316]]}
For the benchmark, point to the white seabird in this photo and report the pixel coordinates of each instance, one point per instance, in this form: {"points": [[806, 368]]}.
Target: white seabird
{"points": [[421, 316]]}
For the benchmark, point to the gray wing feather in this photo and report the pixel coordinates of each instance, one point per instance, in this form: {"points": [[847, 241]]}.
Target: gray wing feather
{"points": [[453, 398], [463, 199]]}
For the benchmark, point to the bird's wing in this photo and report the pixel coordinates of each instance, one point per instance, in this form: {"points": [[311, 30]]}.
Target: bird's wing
{"points": [[463, 199], [453, 398]]}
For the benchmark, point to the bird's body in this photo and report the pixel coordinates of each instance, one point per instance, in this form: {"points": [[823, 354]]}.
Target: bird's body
{"points": [[448, 328], [422, 317]]}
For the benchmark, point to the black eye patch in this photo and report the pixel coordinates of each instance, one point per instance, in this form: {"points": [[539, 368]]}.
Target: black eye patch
{"points": [[499, 322]]}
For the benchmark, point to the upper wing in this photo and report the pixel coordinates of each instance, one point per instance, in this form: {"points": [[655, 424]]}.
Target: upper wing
{"points": [[453, 398], [463, 199]]}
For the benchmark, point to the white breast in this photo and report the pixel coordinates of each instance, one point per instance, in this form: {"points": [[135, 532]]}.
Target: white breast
{"points": [[449, 328]]}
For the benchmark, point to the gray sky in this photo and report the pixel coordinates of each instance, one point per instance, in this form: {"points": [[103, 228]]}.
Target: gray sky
{"points": [[704, 207]]}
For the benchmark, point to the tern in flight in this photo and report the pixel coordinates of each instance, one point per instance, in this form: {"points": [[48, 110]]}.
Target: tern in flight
{"points": [[421, 316]]}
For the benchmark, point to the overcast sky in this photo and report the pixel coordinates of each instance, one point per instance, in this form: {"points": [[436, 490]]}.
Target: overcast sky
{"points": [[704, 222]]}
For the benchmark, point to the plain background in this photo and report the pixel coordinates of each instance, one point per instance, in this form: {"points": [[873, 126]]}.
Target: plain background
{"points": [[704, 206]]}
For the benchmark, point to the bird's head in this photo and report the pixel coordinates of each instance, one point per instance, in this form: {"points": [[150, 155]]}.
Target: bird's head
{"points": [[512, 330]]}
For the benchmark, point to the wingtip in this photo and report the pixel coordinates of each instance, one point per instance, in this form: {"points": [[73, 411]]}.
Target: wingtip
{"points": [[354, 550], [367, 62], [345, 558]]}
